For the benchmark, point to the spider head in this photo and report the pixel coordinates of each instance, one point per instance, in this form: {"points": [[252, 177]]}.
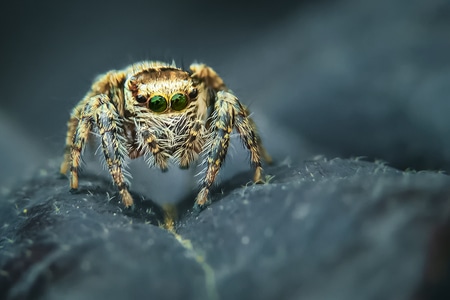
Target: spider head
{"points": [[161, 90]]}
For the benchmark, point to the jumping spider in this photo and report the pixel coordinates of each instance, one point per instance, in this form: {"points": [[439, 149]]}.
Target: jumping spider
{"points": [[157, 110]]}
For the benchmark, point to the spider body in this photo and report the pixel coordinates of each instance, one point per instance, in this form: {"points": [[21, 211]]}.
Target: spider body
{"points": [[162, 112]]}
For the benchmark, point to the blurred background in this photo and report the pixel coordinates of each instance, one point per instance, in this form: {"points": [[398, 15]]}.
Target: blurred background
{"points": [[343, 78]]}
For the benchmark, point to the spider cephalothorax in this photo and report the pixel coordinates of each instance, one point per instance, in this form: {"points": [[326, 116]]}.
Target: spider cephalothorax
{"points": [[157, 110]]}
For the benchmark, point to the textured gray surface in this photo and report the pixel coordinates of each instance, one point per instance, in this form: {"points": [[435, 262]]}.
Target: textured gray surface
{"points": [[336, 229]]}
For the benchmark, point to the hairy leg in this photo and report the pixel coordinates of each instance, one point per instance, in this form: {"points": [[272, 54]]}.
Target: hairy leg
{"points": [[100, 112], [222, 122], [192, 146], [80, 136], [109, 127], [206, 74], [150, 141], [250, 137], [72, 125], [228, 113], [105, 84]]}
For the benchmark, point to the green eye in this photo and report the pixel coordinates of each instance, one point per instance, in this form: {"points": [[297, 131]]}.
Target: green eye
{"points": [[178, 101], [157, 103]]}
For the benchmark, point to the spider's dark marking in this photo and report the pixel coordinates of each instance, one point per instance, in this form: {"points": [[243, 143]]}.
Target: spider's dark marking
{"points": [[193, 94]]}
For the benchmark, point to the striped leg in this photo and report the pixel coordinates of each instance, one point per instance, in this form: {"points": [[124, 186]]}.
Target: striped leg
{"points": [[221, 127], [81, 133], [229, 113], [71, 129], [160, 157], [192, 146], [249, 135], [100, 112]]}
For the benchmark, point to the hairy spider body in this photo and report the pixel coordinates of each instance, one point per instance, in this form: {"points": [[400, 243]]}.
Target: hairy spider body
{"points": [[162, 112]]}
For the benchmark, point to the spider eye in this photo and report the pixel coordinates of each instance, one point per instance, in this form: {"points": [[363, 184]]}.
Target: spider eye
{"points": [[178, 101], [157, 103], [141, 99], [193, 93]]}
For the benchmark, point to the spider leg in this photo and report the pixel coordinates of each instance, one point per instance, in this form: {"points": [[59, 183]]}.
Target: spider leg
{"points": [[192, 146], [107, 121], [222, 124], [81, 129], [99, 111], [151, 141], [105, 84], [228, 113], [72, 125], [244, 124], [249, 135]]}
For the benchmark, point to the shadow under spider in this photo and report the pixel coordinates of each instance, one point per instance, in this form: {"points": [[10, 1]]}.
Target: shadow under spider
{"points": [[145, 209]]}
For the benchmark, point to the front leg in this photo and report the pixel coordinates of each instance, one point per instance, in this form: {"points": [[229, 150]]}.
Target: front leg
{"points": [[100, 112], [221, 127], [113, 145], [228, 113]]}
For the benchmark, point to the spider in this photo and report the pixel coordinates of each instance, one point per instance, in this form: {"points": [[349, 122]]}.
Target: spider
{"points": [[162, 112]]}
